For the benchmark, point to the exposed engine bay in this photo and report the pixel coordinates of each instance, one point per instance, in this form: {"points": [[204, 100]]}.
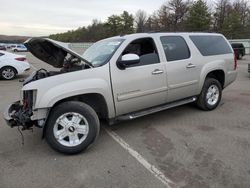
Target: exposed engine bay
{"points": [[70, 64], [59, 56], [56, 54]]}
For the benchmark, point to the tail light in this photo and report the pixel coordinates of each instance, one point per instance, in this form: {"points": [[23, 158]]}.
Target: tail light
{"points": [[235, 62], [21, 59]]}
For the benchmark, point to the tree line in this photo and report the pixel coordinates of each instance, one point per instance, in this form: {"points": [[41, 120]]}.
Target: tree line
{"points": [[231, 18]]}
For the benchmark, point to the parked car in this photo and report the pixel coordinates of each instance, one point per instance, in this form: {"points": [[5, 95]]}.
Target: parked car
{"points": [[8, 46], [12, 65], [2, 47], [239, 50], [117, 79], [19, 48]]}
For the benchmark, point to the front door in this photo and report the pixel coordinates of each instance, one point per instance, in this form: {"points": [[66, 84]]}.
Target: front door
{"points": [[142, 85]]}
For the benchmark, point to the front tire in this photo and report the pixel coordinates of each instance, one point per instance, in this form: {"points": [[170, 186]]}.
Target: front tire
{"points": [[210, 96], [8, 73], [72, 127]]}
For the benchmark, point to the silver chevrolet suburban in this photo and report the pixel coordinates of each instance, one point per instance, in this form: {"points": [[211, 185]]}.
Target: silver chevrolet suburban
{"points": [[119, 78]]}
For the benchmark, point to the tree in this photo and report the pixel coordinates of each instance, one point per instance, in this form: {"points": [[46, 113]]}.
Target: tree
{"points": [[163, 19], [149, 24], [222, 9], [114, 25], [140, 21], [199, 17], [241, 6], [230, 17], [120, 24], [178, 11], [232, 27], [127, 23]]}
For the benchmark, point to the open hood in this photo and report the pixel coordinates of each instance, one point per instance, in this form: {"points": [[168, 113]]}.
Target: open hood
{"points": [[51, 51]]}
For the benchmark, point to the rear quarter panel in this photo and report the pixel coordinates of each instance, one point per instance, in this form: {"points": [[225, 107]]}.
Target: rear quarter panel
{"points": [[220, 62]]}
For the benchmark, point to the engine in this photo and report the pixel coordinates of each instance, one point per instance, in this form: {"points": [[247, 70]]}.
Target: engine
{"points": [[70, 65]]}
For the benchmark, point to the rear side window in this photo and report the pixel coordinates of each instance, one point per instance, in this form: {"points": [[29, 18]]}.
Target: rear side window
{"points": [[175, 48], [211, 45], [1, 54]]}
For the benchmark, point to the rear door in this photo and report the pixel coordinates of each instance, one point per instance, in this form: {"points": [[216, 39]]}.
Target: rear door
{"points": [[183, 69], [140, 86]]}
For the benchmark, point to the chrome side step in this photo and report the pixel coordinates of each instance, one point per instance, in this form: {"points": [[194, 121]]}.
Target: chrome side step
{"points": [[155, 109]]}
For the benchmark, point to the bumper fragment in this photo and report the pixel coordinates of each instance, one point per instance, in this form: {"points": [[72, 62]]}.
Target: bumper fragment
{"points": [[9, 114], [16, 115]]}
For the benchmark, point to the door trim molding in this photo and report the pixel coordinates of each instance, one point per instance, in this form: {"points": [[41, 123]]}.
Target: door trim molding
{"points": [[184, 84], [139, 93]]}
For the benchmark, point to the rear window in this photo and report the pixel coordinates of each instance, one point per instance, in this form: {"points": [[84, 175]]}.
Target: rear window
{"points": [[211, 45], [1, 54]]}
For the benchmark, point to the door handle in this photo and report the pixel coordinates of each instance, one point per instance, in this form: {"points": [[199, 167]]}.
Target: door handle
{"points": [[157, 71], [190, 66]]}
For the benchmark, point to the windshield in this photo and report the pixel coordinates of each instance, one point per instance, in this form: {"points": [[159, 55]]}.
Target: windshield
{"points": [[101, 52]]}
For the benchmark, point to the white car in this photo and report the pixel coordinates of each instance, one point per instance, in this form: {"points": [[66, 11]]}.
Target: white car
{"points": [[12, 65], [19, 48]]}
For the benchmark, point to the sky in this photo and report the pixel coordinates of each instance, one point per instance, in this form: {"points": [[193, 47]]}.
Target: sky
{"points": [[44, 17]]}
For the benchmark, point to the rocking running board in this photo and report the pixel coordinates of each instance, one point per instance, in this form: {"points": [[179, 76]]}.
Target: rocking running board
{"points": [[155, 109]]}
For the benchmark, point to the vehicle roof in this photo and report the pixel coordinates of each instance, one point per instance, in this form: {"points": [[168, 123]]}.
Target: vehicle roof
{"points": [[237, 44], [138, 35]]}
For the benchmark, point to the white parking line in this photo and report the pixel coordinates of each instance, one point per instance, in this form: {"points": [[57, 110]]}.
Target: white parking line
{"points": [[151, 168]]}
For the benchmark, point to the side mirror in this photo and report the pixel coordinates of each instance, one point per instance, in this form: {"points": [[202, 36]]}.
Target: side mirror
{"points": [[128, 60]]}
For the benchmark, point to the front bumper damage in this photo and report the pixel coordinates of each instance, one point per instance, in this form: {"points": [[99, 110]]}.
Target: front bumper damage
{"points": [[16, 115]]}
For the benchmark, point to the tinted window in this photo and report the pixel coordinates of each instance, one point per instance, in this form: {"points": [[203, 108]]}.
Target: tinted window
{"points": [[175, 48], [1, 54], [211, 45]]}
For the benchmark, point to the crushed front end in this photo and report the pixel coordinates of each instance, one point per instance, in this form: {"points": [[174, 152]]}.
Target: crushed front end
{"points": [[19, 113]]}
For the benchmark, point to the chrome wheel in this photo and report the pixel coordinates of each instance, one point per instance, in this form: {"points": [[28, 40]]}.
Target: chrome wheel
{"points": [[8, 73], [213, 95], [71, 129]]}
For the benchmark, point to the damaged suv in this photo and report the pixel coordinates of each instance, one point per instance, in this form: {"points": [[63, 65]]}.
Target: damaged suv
{"points": [[119, 78]]}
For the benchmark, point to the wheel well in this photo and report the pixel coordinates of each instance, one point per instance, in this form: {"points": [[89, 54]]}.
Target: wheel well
{"points": [[218, 75], [9, 66], [94, 100]]}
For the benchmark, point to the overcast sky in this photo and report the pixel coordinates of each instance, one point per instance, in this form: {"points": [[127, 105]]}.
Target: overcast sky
{"points": [[44, 17]]}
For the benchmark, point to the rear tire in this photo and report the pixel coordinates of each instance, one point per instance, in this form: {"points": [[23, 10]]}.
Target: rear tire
{"points": [[8, 73], [210, 96], [72, 127]]}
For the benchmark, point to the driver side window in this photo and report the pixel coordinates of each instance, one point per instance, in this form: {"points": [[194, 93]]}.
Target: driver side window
{"points": [[145, 48]]}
